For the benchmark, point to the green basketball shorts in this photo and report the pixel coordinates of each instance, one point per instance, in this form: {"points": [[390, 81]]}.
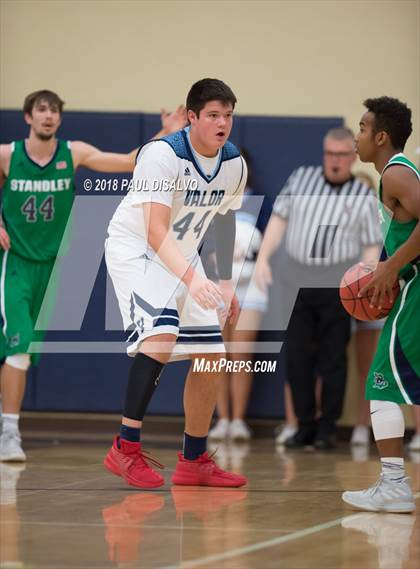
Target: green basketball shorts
{"points": [[22, 290], [395, 371]]}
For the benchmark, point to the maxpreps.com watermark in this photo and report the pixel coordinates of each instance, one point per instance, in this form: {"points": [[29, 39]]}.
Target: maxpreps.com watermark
{"points": [[201, 365], [139, 185]]}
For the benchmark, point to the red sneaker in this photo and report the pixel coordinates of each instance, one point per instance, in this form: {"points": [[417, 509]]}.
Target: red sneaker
{"points": [[130, 462], [203, 471]]}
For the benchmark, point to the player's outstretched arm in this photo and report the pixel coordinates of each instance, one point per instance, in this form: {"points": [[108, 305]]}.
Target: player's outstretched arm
{"points": [[273, 236], [4, 237], [88, 156], [5, 154], [157, 221], [402, 186]]}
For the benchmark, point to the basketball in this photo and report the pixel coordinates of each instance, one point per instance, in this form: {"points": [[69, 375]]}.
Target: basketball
{"points": [[352, 282]]}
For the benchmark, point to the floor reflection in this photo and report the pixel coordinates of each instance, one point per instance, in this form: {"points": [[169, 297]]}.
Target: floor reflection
{"points": [[124, 520], [391, 534], [288, 463], [9, 515], [62, 510], [203, 503], [123, 525]]}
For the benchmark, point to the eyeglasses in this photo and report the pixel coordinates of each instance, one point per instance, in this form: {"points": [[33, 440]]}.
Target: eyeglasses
{"points": [[331, 154]]}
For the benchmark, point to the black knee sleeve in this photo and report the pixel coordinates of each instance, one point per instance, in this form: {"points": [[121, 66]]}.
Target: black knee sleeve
{"points": [[142, 382]]}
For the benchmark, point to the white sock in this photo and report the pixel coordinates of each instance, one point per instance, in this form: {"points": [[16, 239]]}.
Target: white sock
{"points": [[393, 468], [10, 423]]}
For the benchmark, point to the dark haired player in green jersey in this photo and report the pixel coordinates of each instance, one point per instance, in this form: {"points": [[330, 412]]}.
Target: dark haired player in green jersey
{"points": [[37, 176], [394, 377]]}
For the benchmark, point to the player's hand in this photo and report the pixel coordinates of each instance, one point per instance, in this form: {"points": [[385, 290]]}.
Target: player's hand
{"points": [[171, 122], [231, 303], [381, 283], [206, 293], [263, 274], [4, 239]]}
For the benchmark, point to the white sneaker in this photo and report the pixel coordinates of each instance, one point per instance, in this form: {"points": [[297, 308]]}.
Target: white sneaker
{"points": [[11, 447], [286, 432], [239, 430], [384, 496], [414, 444], [360, 435], [220, 431]]}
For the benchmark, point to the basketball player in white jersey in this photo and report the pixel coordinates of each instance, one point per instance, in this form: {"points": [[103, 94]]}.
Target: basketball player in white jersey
{"points": [[169, 308]]}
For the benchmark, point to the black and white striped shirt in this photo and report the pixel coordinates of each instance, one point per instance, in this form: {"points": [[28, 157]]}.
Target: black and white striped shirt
{"points": [[327, 224]]}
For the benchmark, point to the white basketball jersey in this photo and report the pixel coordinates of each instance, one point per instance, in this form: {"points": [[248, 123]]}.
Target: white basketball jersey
{"points": [[169, 172]]}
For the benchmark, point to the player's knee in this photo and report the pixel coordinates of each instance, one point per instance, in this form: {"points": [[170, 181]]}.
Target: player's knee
{"points": [[19, 361], [387, 420], [159, 347]]}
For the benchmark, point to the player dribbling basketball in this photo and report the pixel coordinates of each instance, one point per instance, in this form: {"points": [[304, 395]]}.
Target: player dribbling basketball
{"points": [[394, 376]]}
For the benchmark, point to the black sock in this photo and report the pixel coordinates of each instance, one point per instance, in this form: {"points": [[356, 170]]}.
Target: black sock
{"points": [[130, 434], [194, 446]]}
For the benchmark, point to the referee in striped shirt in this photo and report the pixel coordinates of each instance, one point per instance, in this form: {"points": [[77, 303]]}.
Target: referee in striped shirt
{"points": [[330, 222]]}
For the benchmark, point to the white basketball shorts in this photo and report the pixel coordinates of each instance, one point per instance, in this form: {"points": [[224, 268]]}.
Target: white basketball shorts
{"points": [[153, 301]]}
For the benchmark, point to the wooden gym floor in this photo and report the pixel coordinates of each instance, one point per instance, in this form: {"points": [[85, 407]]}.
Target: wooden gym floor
{"points": [[62, 510]]}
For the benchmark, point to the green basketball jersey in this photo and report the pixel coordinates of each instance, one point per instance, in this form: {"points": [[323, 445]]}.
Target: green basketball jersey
{"points": [[37, 202], [395, 232]]}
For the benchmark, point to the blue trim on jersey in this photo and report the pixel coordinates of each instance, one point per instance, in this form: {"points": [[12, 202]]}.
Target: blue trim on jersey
{"points": [[180, 144], [408, 375], [197, 164], [176, 141], [229, 152]]}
